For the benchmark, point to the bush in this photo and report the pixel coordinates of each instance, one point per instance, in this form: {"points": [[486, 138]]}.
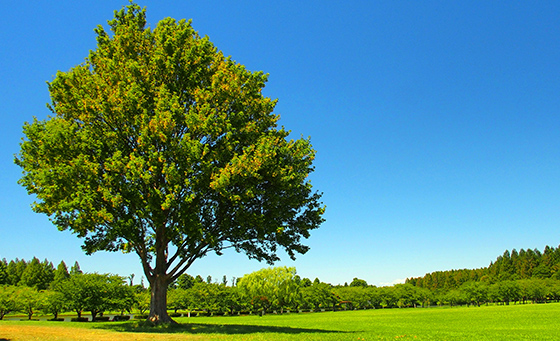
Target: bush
{"points": [[102, 319], [123, 317], [56, 319]]}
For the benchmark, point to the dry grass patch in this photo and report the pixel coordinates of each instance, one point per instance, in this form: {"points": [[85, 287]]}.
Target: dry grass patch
{"points": [[21, 332]]}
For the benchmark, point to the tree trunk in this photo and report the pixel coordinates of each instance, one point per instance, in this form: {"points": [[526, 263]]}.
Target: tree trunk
{"points": [[158, 302]]}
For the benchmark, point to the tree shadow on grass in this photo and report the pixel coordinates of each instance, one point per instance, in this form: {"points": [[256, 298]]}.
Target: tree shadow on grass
{"points": [[203, 328]]}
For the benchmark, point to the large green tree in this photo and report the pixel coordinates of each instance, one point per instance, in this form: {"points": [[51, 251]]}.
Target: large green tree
{"points": [[160, 145]]}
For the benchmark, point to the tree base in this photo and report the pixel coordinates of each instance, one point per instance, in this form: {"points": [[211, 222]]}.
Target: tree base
{"points": [[159, 320]]}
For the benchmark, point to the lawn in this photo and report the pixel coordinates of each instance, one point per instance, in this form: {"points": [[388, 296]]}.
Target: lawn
{"points": [[514, 322]]}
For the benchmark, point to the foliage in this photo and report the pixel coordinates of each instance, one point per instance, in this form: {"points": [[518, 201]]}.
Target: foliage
{"points": [[318, 296], [142, 301], [8, 300], [61, 273], [356, 282], [185, 281], [75, 269], [211, 297], [34, 274], [158, 140], [270, 287], [53, 303], [505, 291], [37, 275], [514, 265], [3, 272], [96, 293], [15, 270], [28, 300]]}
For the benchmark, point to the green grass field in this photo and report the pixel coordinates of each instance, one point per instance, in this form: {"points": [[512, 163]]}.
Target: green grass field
{"points": [[514, 322]]}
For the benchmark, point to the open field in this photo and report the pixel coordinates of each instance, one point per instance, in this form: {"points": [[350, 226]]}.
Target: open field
{"points": [[514, 322]]}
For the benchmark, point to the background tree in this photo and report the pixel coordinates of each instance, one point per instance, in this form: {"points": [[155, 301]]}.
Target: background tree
{"points": [[408, 295], [15, 270], [318, 296], [352, 297], [270, 287], [37, 275], [61, 273], [52, 303], [75, 269], [505, 291], [142, 301], [3, 272], [185, 281], [96, 293], [475, 292], [454, 297], [356, 282], [29, 300], [162, 146], [388, 297], [305, 282], [8, 300], [121, 296]]}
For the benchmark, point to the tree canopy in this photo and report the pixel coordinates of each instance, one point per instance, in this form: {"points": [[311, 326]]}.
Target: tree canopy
{"points": [[160, 145]]}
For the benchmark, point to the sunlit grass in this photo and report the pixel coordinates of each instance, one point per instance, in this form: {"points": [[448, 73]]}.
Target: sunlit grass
{"points": [[514, 322]]}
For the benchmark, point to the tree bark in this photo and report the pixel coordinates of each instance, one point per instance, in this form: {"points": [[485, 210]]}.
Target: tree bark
{"points": [[158, 302]]}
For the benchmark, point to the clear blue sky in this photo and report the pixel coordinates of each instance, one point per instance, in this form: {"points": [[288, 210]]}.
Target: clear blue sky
{"points": [[436, 124]]}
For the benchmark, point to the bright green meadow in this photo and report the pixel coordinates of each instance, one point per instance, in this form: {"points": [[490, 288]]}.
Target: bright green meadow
{"points": [[513, 322]]}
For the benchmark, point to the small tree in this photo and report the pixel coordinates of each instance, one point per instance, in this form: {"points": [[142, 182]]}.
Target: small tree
{"points": [[122, 296], [356, 282], [53, 303], [475, 292], [61, 273], [15, 270], [96, 293], [8, 300], [185, 281], [320, 296], [142, 302], [75, 269], [37, 275], [29, 300], [270, 287], [3, 272]]}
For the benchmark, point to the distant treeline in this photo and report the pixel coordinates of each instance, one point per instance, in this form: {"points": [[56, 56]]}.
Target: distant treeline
{"points": [[524, 276], [34, 273], [514, 265]]}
